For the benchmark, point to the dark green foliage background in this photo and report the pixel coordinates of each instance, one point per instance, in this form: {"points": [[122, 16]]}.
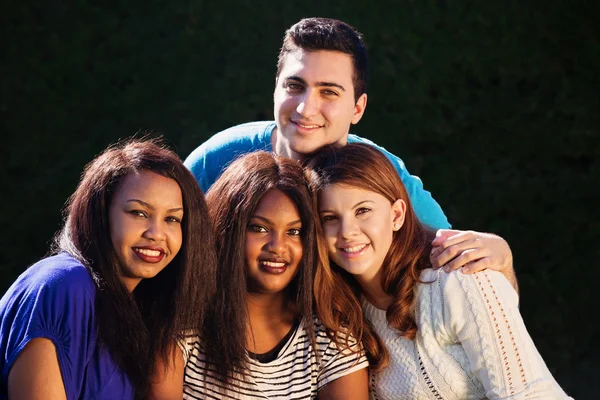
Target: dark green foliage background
{"points": [[494, 104]]}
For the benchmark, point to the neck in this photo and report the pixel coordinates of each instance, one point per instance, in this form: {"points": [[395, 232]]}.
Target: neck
{"points": [[371, 287], [281, 147], [269, 311], [270, 317], [266, 305]]}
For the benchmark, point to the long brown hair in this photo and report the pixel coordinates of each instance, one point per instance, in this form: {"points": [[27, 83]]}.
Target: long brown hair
{"points": [[337, 293], [137, 327], [232, 200]]}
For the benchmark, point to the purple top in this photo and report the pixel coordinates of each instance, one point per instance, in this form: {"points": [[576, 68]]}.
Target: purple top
{"points": [[55, 299]]}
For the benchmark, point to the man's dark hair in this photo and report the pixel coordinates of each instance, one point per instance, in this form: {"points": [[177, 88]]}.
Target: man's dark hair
{"points": [[313, 34]]}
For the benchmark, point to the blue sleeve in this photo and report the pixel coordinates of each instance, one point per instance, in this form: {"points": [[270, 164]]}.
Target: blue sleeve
{"points": [[57, 305], [427, 209], [211, 158], [196, 163]]}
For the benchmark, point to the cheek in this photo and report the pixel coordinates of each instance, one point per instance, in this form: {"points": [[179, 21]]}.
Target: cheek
{"points": [[330, 235], [284, 103], [330, 230], [297, 249], [176, 240], [252, 247], [118, 233], [382, 230], [336, 113]]}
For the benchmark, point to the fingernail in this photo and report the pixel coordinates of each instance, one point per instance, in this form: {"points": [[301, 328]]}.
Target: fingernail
{"points": [[465, 270], [447, 269]]}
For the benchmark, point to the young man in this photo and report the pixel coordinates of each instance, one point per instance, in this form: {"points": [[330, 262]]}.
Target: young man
{"points": [[320, 91]]}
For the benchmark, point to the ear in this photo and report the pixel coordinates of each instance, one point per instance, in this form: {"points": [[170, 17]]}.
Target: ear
{"points": [[398, 212], [359, 108]]}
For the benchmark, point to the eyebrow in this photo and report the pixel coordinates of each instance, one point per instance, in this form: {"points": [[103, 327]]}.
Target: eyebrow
{"points": [[319, 83], [267, 220], [143, 203], [353, 207]]}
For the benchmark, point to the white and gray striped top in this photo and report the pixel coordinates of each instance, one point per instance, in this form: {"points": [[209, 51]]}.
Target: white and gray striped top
{"points": [[296, 372]]}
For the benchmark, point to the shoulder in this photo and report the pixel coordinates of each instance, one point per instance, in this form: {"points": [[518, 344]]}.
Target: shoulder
{"points": [[427, 209], [395, 160], [456, 281], [56, 274], [190, 344], [340, 344], [55, 291], [210, 158], [54, 299], [458, 297], [240, 138], [337, 358]]}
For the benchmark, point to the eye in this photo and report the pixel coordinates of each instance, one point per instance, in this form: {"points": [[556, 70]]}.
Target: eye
{"points": [[328, 92], [173, 219], [362, 210], [295, 232], [328, 218], [293, 86], [138, 213], [257, 228]]}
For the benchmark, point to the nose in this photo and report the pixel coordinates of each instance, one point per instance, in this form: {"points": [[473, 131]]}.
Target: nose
{"points": [[309, 104], [276, 244], [155, 230], [348, 228]]}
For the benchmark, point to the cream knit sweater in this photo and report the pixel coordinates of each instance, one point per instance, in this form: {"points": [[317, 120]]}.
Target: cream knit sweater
{"points": [[471, 343]]}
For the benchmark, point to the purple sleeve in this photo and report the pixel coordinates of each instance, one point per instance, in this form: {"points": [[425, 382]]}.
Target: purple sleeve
{"points": [[51, 300]]}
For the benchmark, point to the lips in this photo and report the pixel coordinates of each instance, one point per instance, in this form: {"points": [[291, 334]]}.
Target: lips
{"points": [[354, 251], [150, 255], [273, 266], [305, 127]]}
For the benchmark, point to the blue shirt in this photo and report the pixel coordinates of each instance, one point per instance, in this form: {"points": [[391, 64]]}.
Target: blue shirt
{"points": [[55, 299], [210, 159]]}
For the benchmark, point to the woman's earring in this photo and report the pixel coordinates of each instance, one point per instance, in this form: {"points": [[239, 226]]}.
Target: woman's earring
{"points": [[396, 226]]}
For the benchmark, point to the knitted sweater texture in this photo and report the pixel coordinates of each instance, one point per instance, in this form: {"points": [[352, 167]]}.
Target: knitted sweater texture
{"points": [[471, 343]]}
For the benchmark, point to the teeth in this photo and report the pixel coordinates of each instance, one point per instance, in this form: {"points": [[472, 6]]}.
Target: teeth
{"points": [[151, 253], [354, 249], [273, 264], [309, 126]]}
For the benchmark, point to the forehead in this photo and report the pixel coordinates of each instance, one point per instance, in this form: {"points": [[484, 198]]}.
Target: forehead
{"points": [[148, 185], [318, 66], [341, 194], [277, 204]]}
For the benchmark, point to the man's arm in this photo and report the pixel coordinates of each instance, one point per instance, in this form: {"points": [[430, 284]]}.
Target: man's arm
{"points": [[473, 252]]}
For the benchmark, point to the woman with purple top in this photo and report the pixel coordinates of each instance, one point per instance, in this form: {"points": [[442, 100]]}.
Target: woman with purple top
{"points": [[130, 271]]}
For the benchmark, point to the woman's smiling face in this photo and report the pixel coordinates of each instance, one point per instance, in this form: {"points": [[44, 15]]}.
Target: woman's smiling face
{"points": [[145, 225], [273, 243], [358, 225]]}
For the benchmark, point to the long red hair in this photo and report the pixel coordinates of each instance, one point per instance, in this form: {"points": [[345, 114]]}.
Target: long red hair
{"points": [[337, 294]]}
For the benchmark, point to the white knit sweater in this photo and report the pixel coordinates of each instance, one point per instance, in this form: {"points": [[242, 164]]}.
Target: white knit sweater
{"points": [[471, 343]]}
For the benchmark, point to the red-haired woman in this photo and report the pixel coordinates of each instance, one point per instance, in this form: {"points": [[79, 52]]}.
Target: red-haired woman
{"points": [[428, 334]]}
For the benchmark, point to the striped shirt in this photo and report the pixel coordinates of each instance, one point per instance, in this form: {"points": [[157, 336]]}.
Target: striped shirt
{"points": [[296, 372]]}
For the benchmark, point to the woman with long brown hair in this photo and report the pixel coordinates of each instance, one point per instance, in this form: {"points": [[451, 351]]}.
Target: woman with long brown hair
{"points": [[428, 334], [130, 271], [261, 338]]}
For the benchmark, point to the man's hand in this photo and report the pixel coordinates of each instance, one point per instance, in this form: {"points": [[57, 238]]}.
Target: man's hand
{"points": [[473, 252]]}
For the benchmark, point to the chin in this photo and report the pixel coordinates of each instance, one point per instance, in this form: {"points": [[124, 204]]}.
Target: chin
{"points": [[354, 269], [308, 149]]}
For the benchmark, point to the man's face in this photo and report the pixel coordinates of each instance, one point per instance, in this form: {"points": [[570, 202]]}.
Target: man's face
{"points": [[314, 102]]}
